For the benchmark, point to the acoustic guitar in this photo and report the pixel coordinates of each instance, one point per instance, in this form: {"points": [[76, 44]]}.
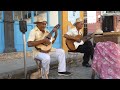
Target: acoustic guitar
{"points": [[43, 47], [73, 45]]}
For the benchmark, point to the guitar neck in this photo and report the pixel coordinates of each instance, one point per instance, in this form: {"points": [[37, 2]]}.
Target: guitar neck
{"points": [[50, 34], [85, 38]]}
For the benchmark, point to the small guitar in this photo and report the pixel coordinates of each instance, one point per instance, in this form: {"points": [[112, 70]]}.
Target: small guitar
{"points": [[47, 47], [73, 45]]}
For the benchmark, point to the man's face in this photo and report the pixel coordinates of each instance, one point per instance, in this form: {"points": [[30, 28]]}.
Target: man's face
{"points": [[79, 25], [42, 25]]}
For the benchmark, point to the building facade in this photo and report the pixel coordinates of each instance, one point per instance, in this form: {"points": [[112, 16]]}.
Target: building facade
{"points": [[11, 39], [110, 21]]}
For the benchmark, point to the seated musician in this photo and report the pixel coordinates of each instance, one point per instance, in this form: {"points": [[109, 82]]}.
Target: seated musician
{"points": [[36, 37], [85, 47]]}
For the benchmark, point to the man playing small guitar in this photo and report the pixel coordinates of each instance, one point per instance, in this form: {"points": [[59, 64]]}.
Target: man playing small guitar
{"points": [[76, 42], [39, 37]]}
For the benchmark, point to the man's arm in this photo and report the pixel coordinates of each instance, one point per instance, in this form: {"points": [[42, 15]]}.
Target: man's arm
{"points": [[34, 43], [70, 37], [31, 40]]}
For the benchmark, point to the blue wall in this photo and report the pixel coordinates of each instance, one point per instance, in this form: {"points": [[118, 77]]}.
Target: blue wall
{"points": [[18, 35], [18, 38], [1, 35]]}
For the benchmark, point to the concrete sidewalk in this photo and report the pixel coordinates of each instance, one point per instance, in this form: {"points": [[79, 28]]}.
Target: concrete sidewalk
{"points": [[15, 67], [9, 68]]}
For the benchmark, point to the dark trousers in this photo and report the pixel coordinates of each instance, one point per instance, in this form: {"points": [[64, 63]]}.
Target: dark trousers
{"points": [[88, 50]]}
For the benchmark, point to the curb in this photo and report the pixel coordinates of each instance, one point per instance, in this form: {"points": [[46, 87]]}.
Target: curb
{"points": [[19, 73]]}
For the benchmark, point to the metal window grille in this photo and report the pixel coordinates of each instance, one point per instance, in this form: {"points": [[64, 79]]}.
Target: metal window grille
{"points": [[110, 13]]}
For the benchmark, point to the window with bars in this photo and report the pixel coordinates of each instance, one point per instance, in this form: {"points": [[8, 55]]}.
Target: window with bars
{"points": [[22, 15], [85, 19], [26, 15], [36, 13], [40, 13], [85, 14], [85, 23], [17, 15], [110, 13]]}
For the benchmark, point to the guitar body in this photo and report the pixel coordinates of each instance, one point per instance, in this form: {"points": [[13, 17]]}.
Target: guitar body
{"points": [[43, 47], [47, 47], [70, 43]]}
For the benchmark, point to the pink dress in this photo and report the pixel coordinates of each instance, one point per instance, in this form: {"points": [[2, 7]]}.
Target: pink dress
{"points": [[106, 60]]}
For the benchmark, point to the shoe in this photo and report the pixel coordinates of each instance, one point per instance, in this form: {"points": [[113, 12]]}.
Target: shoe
{"points": [[64, 73], [86, 65]]}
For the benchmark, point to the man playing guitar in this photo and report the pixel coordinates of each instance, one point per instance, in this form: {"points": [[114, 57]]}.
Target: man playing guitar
{"points": [[37, 37], [84, 46]]}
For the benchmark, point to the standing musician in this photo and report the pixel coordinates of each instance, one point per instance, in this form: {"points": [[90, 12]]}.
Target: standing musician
{"points": [[37, 37], [85, 47]]}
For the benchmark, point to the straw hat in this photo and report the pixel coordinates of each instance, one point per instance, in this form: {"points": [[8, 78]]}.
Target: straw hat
{"points": [[78, 20], [40, 19]]}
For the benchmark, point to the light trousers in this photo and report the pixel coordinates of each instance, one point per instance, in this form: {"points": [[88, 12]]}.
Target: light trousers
{"points": [[45, 58]]}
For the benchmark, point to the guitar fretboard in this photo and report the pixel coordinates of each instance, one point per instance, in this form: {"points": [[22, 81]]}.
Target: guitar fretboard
{"points": [[50, 34]]}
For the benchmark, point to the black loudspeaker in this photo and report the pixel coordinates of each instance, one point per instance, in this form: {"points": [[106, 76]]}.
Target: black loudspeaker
{"points": [[108, 23], [23, 26]]}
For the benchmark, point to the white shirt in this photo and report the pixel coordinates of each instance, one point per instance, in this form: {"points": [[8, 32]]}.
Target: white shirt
{"points": [[74, 32], [35, 35]]}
